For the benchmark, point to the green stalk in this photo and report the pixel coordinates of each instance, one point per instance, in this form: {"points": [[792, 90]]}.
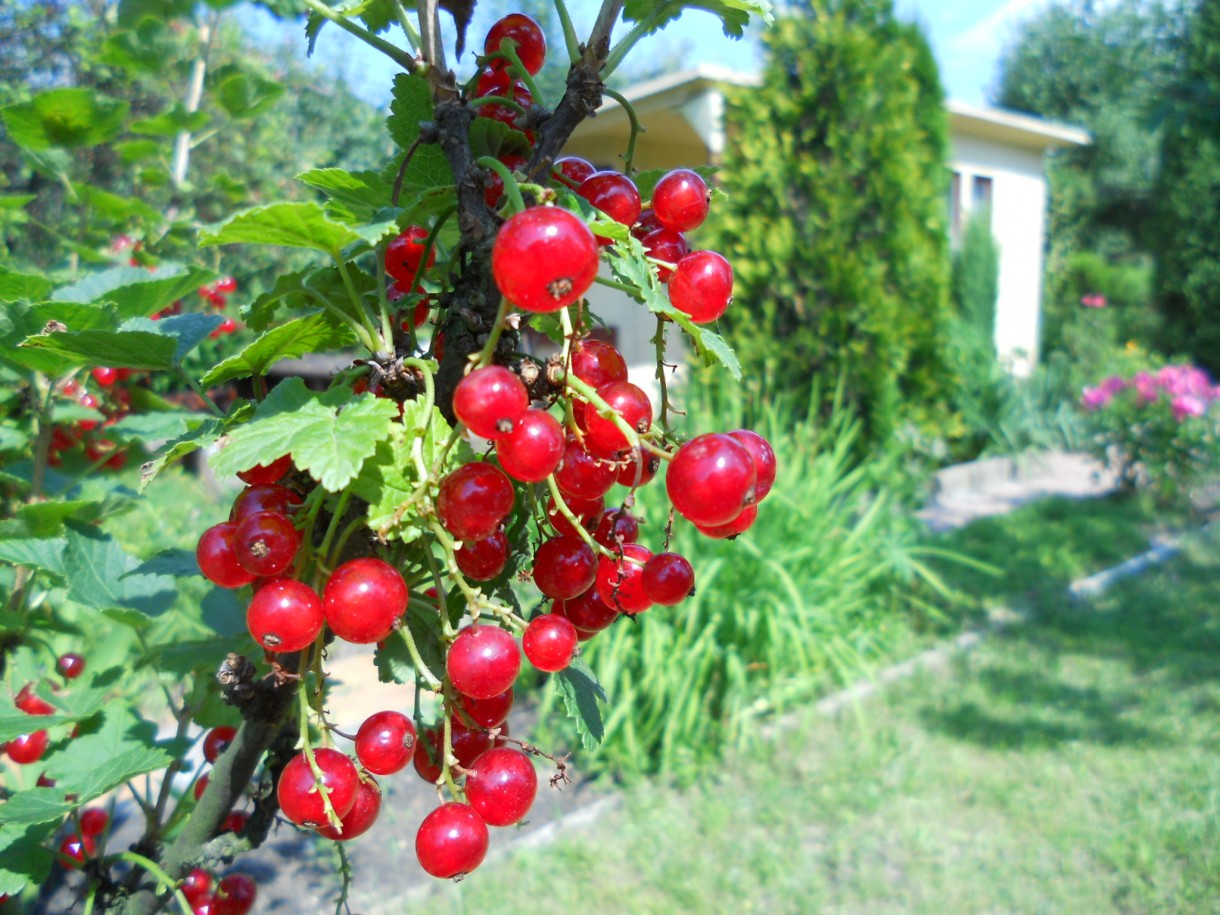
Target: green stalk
{"points": [[358, 303], [569, 31], [511, 190], [153, 868], [636, 129], [396, 54]]}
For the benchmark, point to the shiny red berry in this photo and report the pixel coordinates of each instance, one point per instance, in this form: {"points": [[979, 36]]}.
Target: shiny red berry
{"points": [[217, 741], [452, 840], [299, 795], [631, 404], [363, 600], [533, 449], [71, 665], [285, 615], [668, 579], [483, 661], [544, 258], [738, 525], [502, 785], [93, 821], [385, 742], [488, 713], [197, 884], [358, 820], [474, 500], [587, 612], [564, 567], [587, 513], [638, 467], [572, 171], [490, 400], [702, 286], [680, 200], [265, 543], [531, 42], [764, 461], [665, 245], [271, 472], [549, 643], [711, 479], [581, 475], [614, 194], [483, 560], [616, 526], [217, 557], [405, 254], [620, 582], [31, 703], [263, 498]]}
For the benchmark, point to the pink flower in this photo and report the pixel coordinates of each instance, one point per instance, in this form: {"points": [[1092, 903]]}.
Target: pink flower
{"points": [[1146, 387], [1093, 399], [1185, 405], [1093, 301]]}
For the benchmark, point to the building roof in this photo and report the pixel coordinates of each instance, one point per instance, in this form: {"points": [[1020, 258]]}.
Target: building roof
{"points": [[674, 90]]}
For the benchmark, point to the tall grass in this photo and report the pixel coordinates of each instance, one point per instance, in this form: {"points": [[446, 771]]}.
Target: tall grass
{"points": [[813, 594]]}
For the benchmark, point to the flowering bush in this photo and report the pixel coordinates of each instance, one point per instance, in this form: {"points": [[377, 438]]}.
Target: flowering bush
{"points": [[1157, 429]]}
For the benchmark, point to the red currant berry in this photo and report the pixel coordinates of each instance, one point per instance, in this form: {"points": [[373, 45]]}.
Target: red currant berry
{"points": [[764, 461], [31, 703], [581, 475], [587, 513], [483, 661], [597, 363], [361, 817], [201, 785], [544, 259], [564, 567], [218, 741], [235, 895], [711, 479], [265, 543], [614, 194], [502, 784], [105, 376], [587, 612], [452, 840], [428, 755], [226, 285], [639, 467], [93, 821], [680, 200], [531, 42], [263, 498], [702, 286], [27, 748], [197, 884], [385, 742], [631, 404], [299, 795], [474, 500], [483, 560], [532, 451], [572, 171], [488, 713], [272, 472], [217, 557], [71, 665], [467, 743], [620, 582], [235, 822], [285, 615], [646, 224], [490, 400], [364, 600], [74, 849], [665, 245], [617, 526], [405, 253], [493, 184], [549, 643], [668, 579], [738, 525]]}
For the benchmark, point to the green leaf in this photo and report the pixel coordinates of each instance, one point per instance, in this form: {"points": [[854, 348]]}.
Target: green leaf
{"points": [[102, 575], [136, 292], [734, 15], [19, 287], [137, 344], [133, 151], [46, 555], [154, 427], [43, 519], [580, 692], [312, 333], [36, 805], [293, 291], [354, 196], [292, 225], [113, 206], [23, 858], [628, 263], [139, 50], [388, 481], [329, 435], [133, 12], [246, 95], [116, 749], [173, 122], [412, 106], [208, 433], [489, 137], [16, 201], [66, 118], [178, 563]]}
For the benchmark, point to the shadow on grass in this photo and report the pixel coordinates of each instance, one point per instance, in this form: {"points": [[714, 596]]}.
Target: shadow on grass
{"points": [[1103, 671]]}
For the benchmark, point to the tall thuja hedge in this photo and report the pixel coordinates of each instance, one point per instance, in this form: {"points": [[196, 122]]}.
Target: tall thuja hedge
{"points": [[976, 277], [1188, 221], [836, 222]]}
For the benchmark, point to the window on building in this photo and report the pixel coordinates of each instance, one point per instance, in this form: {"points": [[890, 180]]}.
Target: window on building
{"points": [[980, 201], [955, 208]]}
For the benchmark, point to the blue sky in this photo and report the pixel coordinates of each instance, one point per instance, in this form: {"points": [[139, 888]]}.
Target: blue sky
{"points": [[967, 35]]}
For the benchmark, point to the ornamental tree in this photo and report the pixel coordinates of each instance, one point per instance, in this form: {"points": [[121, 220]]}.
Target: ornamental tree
{"points": [[395, 509]]}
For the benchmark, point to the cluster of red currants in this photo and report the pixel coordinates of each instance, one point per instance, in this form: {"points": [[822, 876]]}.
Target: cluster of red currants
{"points": [[113, 401], [216, 295], [233, 894], [29, 748]]}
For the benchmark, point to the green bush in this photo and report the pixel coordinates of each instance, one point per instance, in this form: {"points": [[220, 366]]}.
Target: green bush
{"points": [[819, 588], [836, 222], [975, 282]]}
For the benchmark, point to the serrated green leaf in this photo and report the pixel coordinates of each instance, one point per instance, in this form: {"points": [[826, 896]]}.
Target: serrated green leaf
{"points": [[154, 427], [14, 723], [353, 196], [581, 692], [178, 563], [734, 15], [16, 201], [134, 291], [328, 435], [313, 333], [66, 118], [23, 858], [246, 95], [388, 481], [22, 287], [412, 106], [102, 575], [298, 291], [142, 49], [291, 225], [113, 206], [47, 555], [133, 151], [114, 750], [489, 137], [138, 344], [133, 12], [36, 805], [207, 434], [41, 520], [172, 122]]}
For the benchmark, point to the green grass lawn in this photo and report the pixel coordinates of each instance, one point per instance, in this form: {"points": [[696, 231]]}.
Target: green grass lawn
{"points": [[1070, 765]]}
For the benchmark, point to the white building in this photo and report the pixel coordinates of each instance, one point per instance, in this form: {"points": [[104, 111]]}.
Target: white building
{"points": [[997, 159]]}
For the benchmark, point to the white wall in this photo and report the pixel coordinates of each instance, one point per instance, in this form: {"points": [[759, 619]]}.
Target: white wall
{"points": [[1018, 222]]}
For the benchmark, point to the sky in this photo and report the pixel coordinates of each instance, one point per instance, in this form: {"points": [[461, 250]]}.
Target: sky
{"points": [[968, 37]]}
